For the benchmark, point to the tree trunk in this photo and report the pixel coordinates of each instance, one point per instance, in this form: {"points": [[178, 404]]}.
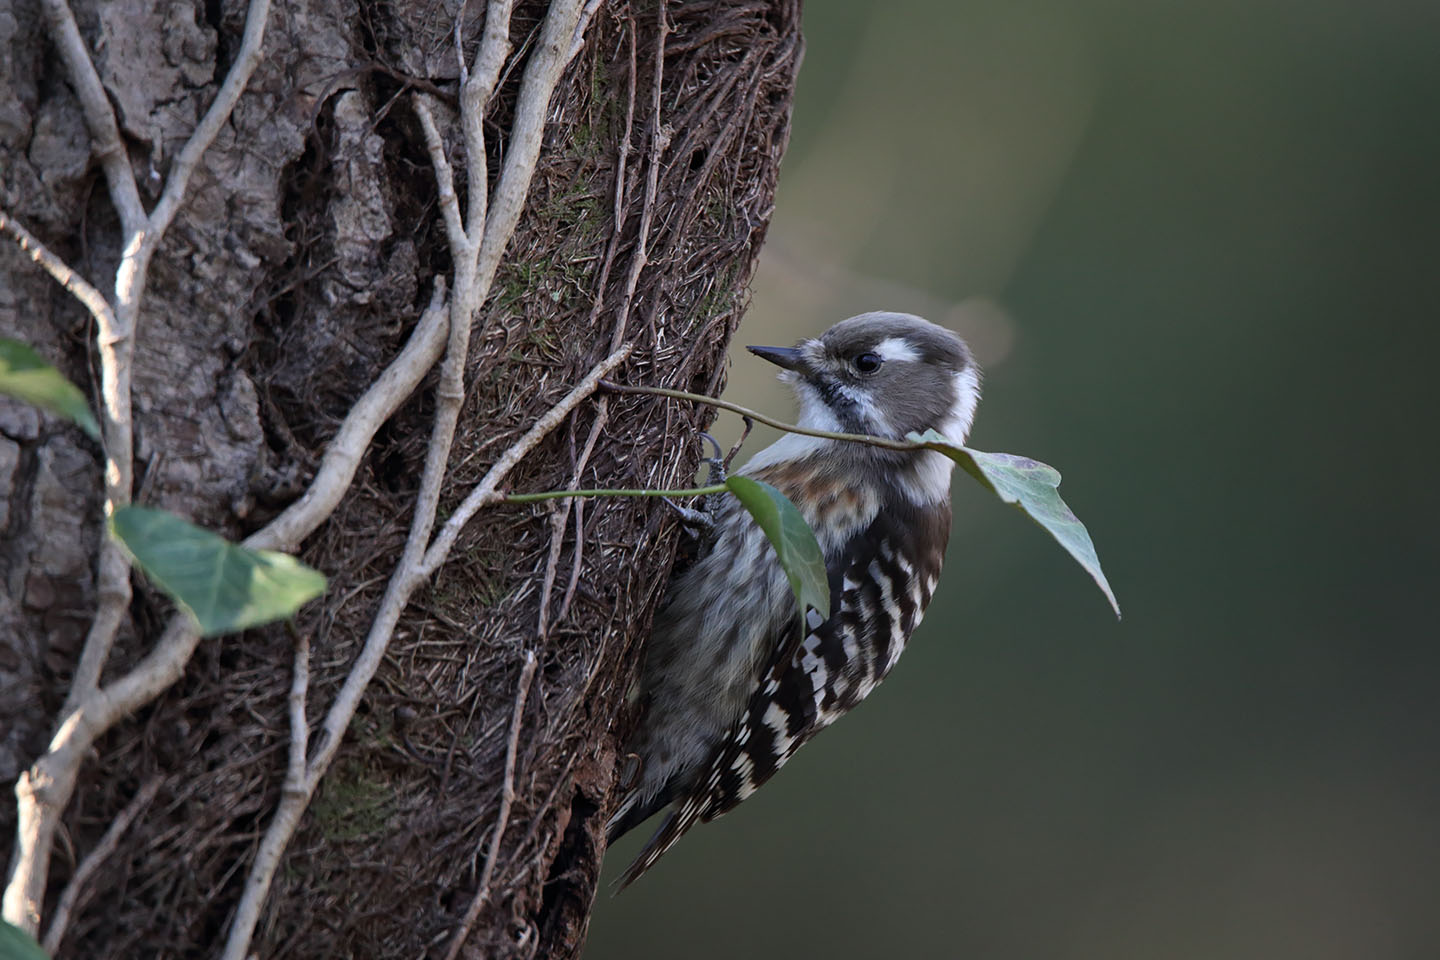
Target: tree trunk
{"points": [[475, 776]]}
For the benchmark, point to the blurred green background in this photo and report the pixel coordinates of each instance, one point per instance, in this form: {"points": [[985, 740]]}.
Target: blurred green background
{"points": [[1197, 248]]}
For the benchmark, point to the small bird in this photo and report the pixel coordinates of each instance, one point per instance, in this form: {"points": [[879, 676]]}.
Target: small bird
{"points": [[732, 685]]}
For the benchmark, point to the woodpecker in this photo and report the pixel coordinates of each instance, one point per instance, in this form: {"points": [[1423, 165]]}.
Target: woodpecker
{"points": [[732, 685]]}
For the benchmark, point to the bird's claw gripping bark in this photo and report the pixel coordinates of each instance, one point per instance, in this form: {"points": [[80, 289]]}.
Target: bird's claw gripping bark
{"points": [[715, 464], [699, 522]]}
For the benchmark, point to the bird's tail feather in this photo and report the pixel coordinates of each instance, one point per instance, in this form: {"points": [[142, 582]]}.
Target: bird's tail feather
{"points": [[671, 829], [626, 817]]}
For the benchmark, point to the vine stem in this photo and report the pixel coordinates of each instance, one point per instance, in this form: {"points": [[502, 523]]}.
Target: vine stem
{"points": [[561, 494], [865, 438], [747, 413], [477, 242], [43, 791]]}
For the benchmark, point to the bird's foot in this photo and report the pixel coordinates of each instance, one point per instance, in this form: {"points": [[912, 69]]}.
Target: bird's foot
{"points": [[700, 523], [715, 463]]}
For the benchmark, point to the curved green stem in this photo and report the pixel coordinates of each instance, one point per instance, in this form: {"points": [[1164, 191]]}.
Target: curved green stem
{"points": [[758, 417], [755, 415], [560, 494]]}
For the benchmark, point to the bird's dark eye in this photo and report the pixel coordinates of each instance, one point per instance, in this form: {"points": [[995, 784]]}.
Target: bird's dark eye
{"points": [[868, 362]]}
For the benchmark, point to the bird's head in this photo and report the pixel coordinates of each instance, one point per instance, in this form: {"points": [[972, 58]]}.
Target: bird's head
{"points": [[882, 373]]}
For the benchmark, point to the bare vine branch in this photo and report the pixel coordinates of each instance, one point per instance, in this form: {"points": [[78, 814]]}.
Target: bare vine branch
{"points": [[479, 85], [75, 285], [247, 58], [42, 794], [105, 139], [299, 726], [476, 249], [397, 596], [343, 453], [444, 175]]}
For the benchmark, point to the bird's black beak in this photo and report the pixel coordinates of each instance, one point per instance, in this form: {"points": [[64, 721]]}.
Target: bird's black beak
{"points": [[788, 357]]}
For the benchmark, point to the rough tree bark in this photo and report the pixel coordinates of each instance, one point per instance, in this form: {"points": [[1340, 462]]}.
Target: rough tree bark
{"points": [[472, 782]]}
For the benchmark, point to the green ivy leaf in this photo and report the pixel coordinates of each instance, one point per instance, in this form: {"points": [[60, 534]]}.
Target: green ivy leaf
{"points": [[225, 586], [16, 944], [1033, 487], [794, 541], [24, 374]]}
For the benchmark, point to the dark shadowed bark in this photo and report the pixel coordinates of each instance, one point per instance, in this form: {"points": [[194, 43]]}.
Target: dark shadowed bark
{"points": [[475, 775]]}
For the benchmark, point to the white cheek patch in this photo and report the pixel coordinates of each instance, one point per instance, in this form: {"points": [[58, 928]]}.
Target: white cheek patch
{"points": [[896, 348], [962, 412], [930, 482], [815, 413]]}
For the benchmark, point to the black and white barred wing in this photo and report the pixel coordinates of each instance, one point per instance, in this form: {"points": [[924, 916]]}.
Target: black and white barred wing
{"points": [[879, 599]]}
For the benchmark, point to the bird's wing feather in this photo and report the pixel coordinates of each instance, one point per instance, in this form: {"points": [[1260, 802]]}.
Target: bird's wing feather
{"points": [[880, 584]]}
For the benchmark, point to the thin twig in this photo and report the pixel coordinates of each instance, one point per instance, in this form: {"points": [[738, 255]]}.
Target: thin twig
{"points": [[487, 490], [74, 284], [576, 564], [749, 424], [558, 521], [659, 141], [299, 727], [502, 817], [444, 175], [624, 152], [557, 529], [621, 203], [602, 414], [70, 896], [296, 789], [459, 37]]}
